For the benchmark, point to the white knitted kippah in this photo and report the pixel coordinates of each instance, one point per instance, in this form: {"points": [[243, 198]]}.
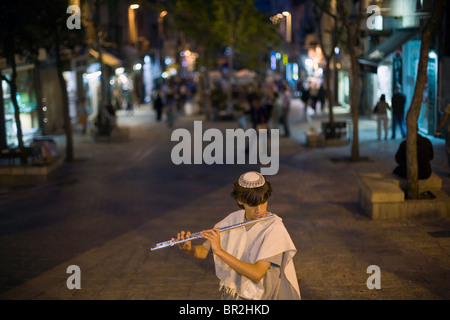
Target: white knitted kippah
{"points": [[251, 179]]}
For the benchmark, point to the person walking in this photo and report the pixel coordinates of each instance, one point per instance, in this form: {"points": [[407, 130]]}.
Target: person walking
{"points": [[380, 111], [398, 111]]}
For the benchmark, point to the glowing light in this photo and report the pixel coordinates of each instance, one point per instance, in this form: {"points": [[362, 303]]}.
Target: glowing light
{"points": [[93, 75], [119, 71], [432, 55], [134, 6]]}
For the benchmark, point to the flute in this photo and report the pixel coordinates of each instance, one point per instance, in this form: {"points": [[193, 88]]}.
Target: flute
{"points": [[198, 235]]}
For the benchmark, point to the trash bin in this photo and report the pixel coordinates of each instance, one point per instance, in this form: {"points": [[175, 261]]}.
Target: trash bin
{"points": [[44, 150]]}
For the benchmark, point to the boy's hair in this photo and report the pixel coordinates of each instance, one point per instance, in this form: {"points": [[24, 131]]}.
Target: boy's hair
{"points": [[251, 196]]}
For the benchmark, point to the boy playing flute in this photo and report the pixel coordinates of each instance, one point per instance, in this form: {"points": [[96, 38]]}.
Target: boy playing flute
{"points": [[252, 262]]}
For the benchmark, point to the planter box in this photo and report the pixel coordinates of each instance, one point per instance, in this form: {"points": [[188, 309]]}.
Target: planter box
{"points": [[335, 130], [381, 197], [315, 139]]}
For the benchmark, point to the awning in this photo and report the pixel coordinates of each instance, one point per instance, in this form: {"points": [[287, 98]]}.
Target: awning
{"points": [[370, 61], [107, 58]]}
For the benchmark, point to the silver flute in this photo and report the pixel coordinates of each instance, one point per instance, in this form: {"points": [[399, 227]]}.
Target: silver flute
{"points": [[198, 235]]}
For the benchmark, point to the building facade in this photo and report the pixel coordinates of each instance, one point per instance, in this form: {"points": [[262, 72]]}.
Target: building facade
{"points": [[392, 47]]}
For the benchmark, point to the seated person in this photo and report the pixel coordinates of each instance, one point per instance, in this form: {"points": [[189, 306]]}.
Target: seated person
{"points": [[424, 156]]}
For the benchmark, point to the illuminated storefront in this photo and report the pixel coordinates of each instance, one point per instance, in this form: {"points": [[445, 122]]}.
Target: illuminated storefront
{"points": [[396, 61], [27, 101], [92, 88]]}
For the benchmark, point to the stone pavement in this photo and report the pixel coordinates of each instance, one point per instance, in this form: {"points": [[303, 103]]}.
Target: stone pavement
{"points": [[107, 209]]}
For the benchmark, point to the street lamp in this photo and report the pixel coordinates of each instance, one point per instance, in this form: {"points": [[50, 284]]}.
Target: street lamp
{"points": [[132, 22], [160, 51], [288, 16]]}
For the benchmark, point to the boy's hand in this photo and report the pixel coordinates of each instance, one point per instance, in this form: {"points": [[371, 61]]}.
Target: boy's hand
{"points": [[213, 235], [185, 246]]}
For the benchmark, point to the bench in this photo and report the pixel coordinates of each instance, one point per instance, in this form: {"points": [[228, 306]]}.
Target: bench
{"points": [[382, 196], [377, 193], [16, 153], [433, 183]]}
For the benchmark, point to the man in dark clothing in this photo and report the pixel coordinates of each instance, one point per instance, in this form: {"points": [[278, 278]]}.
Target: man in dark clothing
{"points": [[398, 111], [259, 114], [158, 105], [424, 156]]}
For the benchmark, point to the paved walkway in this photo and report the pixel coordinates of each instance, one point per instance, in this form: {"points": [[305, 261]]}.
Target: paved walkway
{"points": [[106, 210]]}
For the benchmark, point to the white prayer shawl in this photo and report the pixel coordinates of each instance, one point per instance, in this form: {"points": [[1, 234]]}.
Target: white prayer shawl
{"points": [[263, 240]]}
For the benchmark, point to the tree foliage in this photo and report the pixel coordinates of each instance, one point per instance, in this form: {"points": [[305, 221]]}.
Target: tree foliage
{"points": [[215, 25]]}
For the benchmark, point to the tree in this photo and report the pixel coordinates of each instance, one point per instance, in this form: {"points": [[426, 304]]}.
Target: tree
{"points": [[412, 116], [328, 49], [52, 33], [195, 18], [24, 31], [242, 28], [235, 24], [13, 32], [352, 30]]}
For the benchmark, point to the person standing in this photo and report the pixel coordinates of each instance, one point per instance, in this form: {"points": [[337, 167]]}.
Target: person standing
{"points": [[158, 105], [398, 111], [447, 137], [285, 108], [380, 111], [170, 107], [258, 113]]}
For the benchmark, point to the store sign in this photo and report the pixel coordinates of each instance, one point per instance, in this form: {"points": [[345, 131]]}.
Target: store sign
{"points": [[397, 68]]}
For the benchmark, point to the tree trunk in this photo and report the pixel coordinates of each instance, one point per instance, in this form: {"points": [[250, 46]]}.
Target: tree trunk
{"points": [[412, 116], [3, 143], [327, 74], [354, 107], [230, 82], [323, 8], [352, 31], [65, 106], [13, 86]]}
